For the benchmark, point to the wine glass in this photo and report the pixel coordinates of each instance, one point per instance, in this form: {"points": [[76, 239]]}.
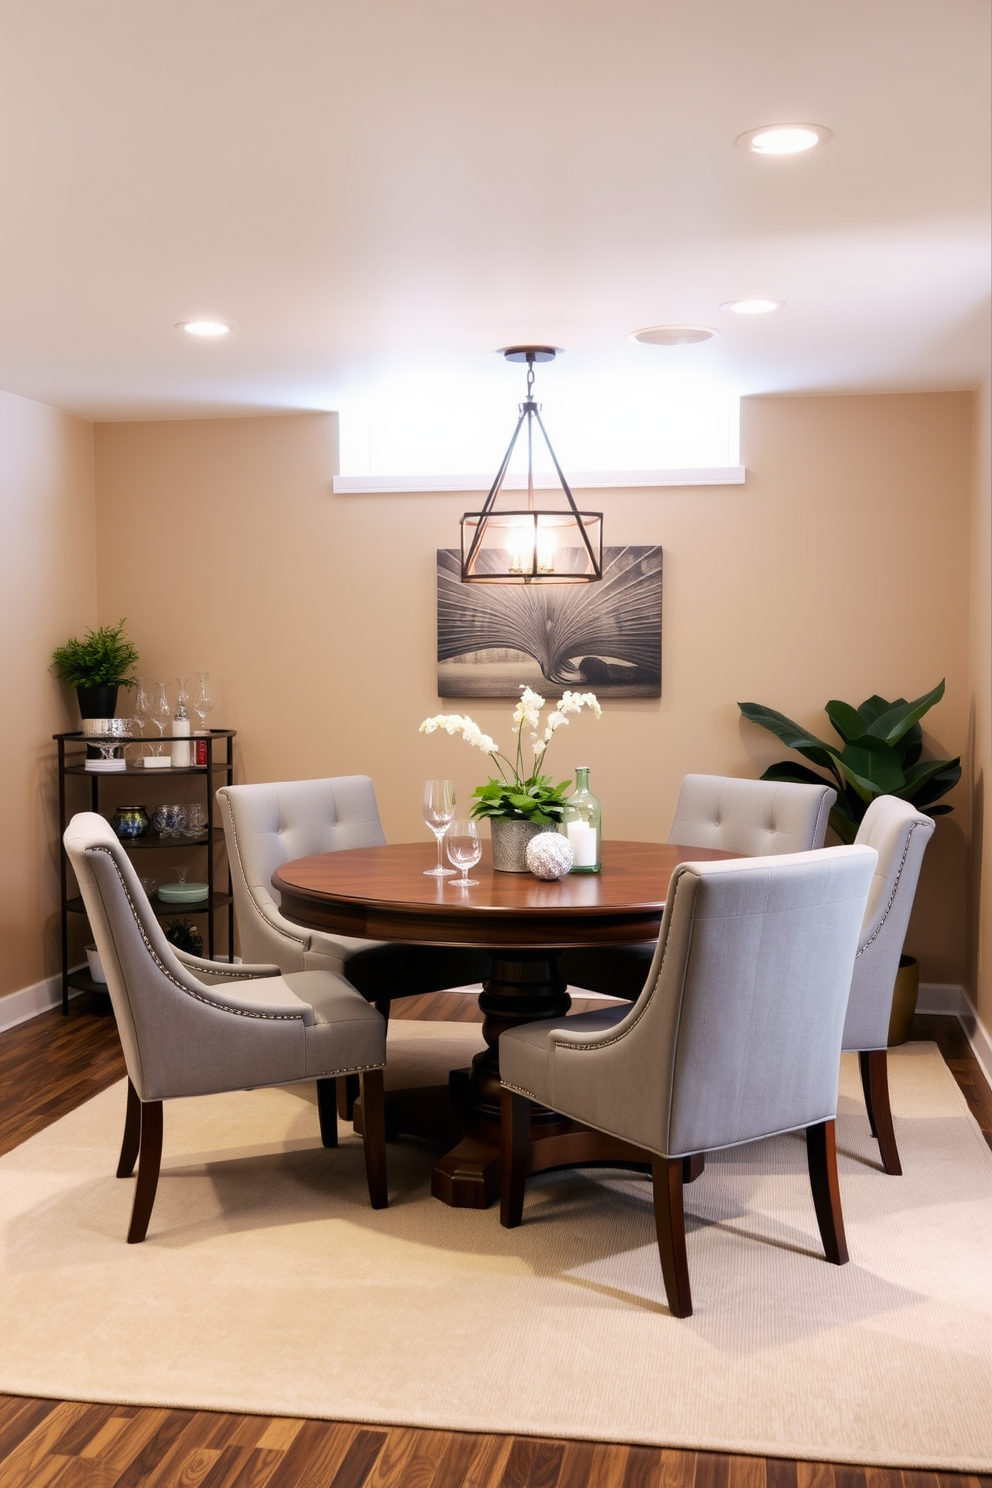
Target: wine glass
{"points": [[439, 808], [142, 707], [161, 712], [196, 820], [464, 850], [202, 702]]}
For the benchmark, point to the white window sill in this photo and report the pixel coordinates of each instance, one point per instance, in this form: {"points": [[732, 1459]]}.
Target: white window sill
{"points": [[596, 480]]}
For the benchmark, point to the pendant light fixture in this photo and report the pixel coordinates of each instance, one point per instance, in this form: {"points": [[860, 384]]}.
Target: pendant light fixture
{"points": [[560, 546]]}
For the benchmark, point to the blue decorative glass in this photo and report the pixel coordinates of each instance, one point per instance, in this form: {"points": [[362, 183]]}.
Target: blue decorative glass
{"points": [[129, 822]]}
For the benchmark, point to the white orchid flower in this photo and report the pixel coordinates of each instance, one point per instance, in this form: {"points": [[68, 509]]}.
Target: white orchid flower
{"points": [[457, 723], [528, 710], [574, 702]]}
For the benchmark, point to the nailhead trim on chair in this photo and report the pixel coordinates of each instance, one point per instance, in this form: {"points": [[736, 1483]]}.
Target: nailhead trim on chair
{"points": [[190, 991], [233, 973], [905, 854], [301, 941], [819, 816]]}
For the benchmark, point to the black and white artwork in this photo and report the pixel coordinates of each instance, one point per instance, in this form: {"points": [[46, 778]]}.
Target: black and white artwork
{"points": [[605, 636]]}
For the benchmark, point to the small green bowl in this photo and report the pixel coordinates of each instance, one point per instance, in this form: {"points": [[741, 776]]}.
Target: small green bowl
{"points": [[184, 893]]}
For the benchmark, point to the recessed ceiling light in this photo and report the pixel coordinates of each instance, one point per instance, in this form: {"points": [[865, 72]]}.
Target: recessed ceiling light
{"points": [[674, 335], [204, 327], [751, 307], [784, 139]]}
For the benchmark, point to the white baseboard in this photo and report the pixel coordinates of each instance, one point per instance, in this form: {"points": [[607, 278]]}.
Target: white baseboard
{"points": [[949, 997], [942, 997], [18, 1007]]}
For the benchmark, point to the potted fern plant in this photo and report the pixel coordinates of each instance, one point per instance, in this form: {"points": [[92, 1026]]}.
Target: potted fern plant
{"points": [[97, 667]]}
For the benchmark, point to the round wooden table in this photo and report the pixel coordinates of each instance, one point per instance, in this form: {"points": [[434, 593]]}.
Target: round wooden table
{"points": [[383, 893]]}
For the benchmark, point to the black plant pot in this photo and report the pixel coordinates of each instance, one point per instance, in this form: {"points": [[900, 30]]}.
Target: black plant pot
{"points": [[97, 702]]}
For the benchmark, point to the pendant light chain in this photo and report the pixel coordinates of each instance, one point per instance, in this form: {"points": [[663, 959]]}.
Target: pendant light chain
{"points": [[529, 407]]}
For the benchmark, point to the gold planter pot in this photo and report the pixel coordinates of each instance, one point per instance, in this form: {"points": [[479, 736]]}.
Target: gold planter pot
{"points": [[907, 990]]}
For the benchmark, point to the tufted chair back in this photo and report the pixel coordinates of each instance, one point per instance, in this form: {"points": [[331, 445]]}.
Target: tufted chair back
{"points": [[268, 825], [757, 818]]}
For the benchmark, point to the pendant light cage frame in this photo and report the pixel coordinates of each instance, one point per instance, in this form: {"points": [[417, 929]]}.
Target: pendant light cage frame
{"points": [[525, 546]]}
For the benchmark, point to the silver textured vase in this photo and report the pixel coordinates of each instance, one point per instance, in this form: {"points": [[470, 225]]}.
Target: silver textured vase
{"points": [[510, 839]]}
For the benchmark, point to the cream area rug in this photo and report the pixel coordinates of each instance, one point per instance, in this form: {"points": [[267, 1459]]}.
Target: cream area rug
{"points": [[268, 1285]]}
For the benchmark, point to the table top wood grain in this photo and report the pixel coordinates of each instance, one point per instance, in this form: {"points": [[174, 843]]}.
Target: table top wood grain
{"points": [[384, 893]]}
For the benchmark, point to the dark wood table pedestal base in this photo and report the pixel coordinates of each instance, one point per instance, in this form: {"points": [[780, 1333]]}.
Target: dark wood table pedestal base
{"points": [[463, 1115], [468, 1175], [389, 893]]}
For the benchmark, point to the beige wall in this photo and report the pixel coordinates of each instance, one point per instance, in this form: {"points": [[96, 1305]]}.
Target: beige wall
{"points": [[47, 592], [839, 569], [981, 688]]}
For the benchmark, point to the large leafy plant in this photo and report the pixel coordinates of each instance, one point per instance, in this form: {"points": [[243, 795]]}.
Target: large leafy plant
{"points": [[103, 658], [517, 795], [879, 756]]}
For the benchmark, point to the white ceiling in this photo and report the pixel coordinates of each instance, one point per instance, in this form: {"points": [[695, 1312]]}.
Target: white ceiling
{"points": [[380, 193]]}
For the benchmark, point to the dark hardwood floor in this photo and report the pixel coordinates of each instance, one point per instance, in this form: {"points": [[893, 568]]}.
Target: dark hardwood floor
{"points": [[53, 1064]]}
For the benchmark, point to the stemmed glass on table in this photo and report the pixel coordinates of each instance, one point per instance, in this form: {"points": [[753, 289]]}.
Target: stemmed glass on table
{"points": [[439, 811], [464, 850]]}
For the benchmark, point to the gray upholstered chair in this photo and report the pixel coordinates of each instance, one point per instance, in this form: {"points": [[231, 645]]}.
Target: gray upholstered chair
{"points": [[899, 834], [736, 1036], [192, 1027], [752, 817], [268, 825]]}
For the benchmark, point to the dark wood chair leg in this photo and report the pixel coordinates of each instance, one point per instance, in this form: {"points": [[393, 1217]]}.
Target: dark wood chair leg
{"points": [[374, 1137], [132, 1134], [669, 1220], [514, 1155], [821, 1154], [347, 1096], [864, 1067], [875, 1082], [327, 1111], [149, 1163], [693, 1167]]}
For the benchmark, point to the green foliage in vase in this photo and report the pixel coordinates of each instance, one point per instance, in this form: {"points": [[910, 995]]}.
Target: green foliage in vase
{"points": [[184, 935], [880, 756], [516, 796], [103, 658], [535, 799]]}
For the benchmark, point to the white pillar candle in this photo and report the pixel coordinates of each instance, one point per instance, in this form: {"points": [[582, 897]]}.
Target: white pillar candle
{"points": [[582, 837]]}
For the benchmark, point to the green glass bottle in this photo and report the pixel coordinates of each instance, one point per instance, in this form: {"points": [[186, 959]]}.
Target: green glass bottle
{"points": [[583, 824]]}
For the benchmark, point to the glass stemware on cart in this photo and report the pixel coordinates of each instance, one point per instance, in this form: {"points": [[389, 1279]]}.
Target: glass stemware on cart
{"points": [[439, 811], [464, 850], [202, 703], [196, 821], [141, 709], [202, 700], [161, 713]]}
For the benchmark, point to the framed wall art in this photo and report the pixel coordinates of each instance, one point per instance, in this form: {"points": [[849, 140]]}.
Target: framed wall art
{"points": [[605, 636]]}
